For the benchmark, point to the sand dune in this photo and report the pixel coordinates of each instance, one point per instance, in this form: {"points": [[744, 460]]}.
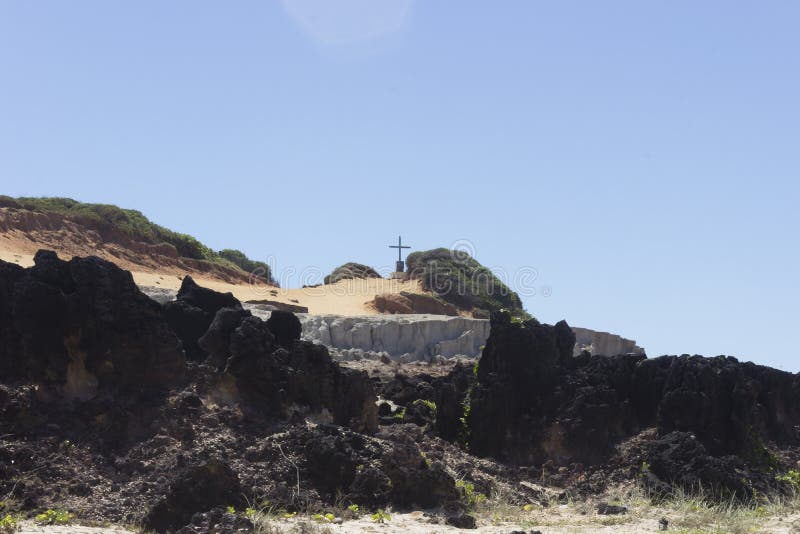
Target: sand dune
{"points": [[348, 297]]}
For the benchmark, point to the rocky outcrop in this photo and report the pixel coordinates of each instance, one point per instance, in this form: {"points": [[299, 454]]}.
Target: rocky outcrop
{"points": [[404, 337], [406, 302], [81, 325], [298, 377], [192, 312], [534, 402]]}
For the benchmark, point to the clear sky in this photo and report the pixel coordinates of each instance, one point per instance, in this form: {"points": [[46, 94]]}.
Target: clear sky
{"points": [[641, 156]]}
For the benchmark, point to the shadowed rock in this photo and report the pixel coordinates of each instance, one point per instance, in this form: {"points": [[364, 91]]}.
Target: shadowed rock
{"points": [[83, 324], [534, 401], [197, 489], [192, 312]]}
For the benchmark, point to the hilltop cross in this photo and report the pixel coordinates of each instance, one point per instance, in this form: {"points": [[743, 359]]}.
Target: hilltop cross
{"points": [[399, 267]]}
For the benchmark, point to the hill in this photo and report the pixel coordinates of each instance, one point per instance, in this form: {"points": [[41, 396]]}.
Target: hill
{"points": [[122, 235]]}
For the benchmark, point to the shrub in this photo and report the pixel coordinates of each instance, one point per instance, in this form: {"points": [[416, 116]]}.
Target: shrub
{"points": [[8, 524], [350, 271], [381, 516], [460, 280], [239, 259]]}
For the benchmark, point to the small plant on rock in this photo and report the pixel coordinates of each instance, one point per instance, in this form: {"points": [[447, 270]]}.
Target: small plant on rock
{"points": [[792, 477], [381, 516], [468, 493], [352, 511], [8, 524]]}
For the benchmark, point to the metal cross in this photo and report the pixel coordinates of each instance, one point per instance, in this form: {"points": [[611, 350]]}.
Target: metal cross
{"points": [[399, 246]]}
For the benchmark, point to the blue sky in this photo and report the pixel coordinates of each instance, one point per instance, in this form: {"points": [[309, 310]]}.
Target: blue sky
{"points": [[642, 157]]}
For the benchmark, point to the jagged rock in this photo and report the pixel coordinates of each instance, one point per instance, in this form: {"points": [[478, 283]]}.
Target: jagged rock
{"points": [[304, 375], [197, 489], [516, 373], [208, 300], [450, 395], [534, 401], [216, 340], [83, 324], [192, 312]]}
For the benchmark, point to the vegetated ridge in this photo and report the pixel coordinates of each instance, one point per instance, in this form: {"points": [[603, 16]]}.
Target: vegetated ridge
{"points": [[126, 228]]}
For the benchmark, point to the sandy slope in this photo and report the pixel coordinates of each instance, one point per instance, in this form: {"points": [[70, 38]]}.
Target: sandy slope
{"points": [[348, 297]]}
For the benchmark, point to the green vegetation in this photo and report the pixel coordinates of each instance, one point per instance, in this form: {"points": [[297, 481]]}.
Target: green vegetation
{"points": [[792, 477], [327, 518], [54, 517], [115, 224], [464, 432], [471, 497], [460, 280], [381, 516], [238, 258], [427, 403], [8, 524], [350, 271]]}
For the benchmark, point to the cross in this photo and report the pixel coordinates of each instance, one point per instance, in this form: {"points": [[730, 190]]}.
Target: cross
{"points": [[399, 246]]}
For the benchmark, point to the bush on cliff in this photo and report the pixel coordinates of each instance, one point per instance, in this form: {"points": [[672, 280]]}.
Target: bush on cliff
{"points": [[462, 281], [238, 258]]}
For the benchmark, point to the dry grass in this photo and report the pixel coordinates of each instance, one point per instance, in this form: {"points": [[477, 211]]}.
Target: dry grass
{"points": [[686, 513]]}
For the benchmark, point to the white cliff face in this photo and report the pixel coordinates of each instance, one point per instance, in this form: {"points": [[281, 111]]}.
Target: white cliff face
{"points": [[403, 337], [414, 337], [603, 343]]}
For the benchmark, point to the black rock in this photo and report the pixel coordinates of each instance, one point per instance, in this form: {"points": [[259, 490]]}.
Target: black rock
{"points": [[190, 315], [285, 326], [464, 521], [208, 300], [86, 315], [611, 509], [216, 340], [197, 489]]}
